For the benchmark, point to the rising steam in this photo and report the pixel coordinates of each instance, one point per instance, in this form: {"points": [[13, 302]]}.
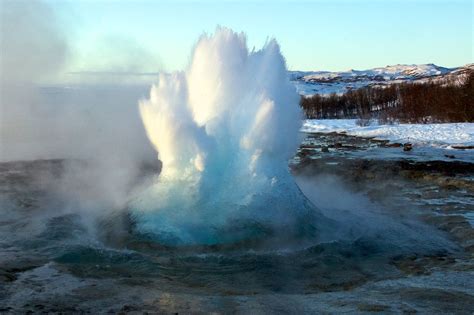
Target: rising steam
{"points": [[96, 131], [224, 130]]}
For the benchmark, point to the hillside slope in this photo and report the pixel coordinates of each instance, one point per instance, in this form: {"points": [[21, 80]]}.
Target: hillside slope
{"points": [[326, 82]]}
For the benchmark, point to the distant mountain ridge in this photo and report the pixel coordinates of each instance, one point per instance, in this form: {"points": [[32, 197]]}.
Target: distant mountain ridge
{"points": [[326, 82]]}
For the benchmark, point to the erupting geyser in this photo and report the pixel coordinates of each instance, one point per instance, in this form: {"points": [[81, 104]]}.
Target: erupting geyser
{"points": [[224, 131]]}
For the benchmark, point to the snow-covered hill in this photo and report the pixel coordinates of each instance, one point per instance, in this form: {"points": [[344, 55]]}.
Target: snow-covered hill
{"points": [[325, 82]]}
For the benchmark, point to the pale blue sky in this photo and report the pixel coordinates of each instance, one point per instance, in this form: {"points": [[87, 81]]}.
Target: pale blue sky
{"points": [[126, 35]]}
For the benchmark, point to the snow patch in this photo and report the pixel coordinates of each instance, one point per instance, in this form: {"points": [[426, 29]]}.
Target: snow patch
{"points": [[442, 135]]}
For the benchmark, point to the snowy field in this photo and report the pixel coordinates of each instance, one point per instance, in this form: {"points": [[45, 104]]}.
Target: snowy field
{"points": [[437, 135]]}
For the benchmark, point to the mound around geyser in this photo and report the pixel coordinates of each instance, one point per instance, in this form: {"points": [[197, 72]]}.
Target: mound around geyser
{"points": [[224, 130]]}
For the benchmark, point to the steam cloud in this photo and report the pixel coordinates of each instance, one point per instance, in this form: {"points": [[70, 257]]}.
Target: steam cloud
{"points": [[32, 49], [96, 128]]}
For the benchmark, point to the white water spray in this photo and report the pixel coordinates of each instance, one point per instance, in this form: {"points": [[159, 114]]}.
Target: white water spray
{"points": [[224, 131]]}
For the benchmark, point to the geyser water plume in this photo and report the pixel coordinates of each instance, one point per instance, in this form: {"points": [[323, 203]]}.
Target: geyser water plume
{"points": [[224, 130]]}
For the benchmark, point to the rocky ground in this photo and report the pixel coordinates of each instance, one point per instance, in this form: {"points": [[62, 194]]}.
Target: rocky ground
{"points": [[439, 192]]}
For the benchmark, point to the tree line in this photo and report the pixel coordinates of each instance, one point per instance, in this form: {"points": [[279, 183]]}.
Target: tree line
{"points": [[449, 101]]}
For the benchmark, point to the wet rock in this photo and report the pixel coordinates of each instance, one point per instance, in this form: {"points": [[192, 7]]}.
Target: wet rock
{"points": [[128, 308], [10, 269], [443, 167], [39, 306], [365, 307], [463, 147], [310, 146], [305, 152], [351, 147], [6, 276], [458, 227], [414, 265], [394, 145], [379, 141], [453, 302]]}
